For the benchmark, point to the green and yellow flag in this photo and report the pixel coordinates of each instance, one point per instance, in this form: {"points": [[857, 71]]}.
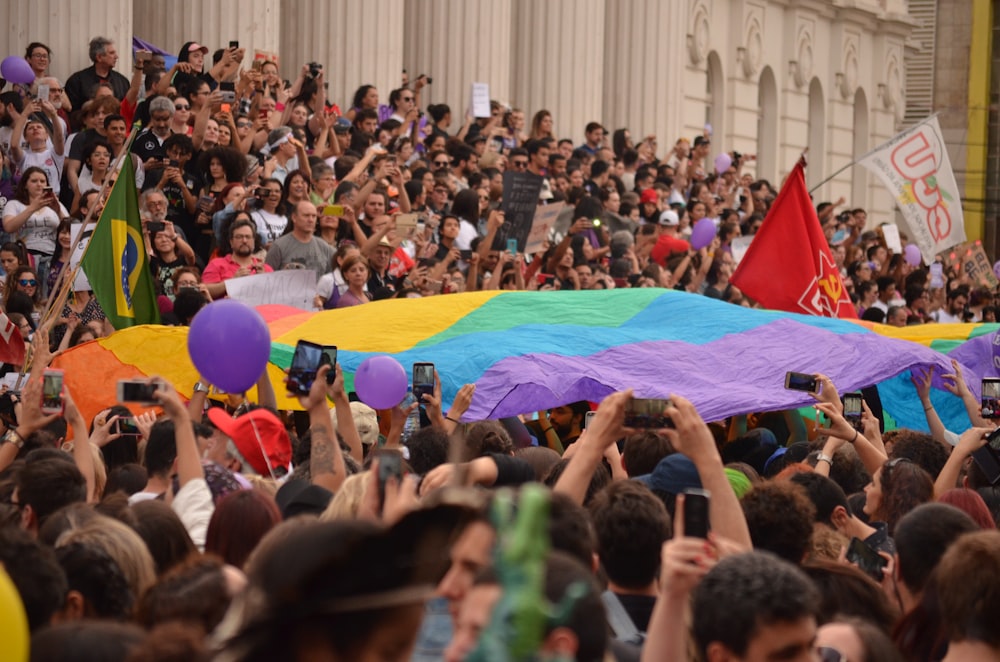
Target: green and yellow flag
{"points": [[116, 262]]}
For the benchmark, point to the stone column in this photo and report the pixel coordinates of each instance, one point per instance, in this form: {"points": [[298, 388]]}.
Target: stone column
{"points": [[558, 62], [357, 41], [67, 27], [457, 43]]}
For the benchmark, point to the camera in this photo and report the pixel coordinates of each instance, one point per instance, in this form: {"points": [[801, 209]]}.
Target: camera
{"points": [[315, 69], [430, 80]]}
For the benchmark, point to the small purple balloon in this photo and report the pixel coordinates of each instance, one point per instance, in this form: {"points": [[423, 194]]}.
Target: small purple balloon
{"points": [[912, 255], [230, 344], [15, 69], [723, 162], [380, 382], [702, 234]]}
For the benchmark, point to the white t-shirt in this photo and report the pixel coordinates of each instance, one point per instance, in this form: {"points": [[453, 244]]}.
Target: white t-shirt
{"points": [[269, 226], [39, 232], [48, 161]]}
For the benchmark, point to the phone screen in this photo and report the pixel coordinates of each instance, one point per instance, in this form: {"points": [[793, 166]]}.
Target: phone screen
{"points": [[52, 386], [800, 381], [126, 426], [696, 513], [647, 413], [329, 358], [305, 363], [390, 465], [867, 559], [993, 439], [137, 391], [423, 380], [991, 398], [853, 406]]}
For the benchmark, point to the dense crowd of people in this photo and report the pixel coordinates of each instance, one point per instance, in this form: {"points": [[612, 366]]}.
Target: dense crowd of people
{"points": [[220, 528]]}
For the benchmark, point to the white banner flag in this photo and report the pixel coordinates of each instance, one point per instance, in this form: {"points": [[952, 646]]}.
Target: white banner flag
{"points": [[914, 166]]}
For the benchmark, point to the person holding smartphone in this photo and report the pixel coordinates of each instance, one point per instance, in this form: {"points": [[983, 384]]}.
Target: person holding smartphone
{"points": [[33, 216]]}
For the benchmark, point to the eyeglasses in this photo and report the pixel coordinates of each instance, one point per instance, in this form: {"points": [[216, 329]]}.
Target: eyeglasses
{"points": [[242, 237], [519, 164], [41, 56], [441, 190], [28, 282], [244, 125], [406, 98], [181, 106], [442, 164]]}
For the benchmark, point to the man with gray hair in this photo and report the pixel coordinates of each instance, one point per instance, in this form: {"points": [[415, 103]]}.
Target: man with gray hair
{"points": [[148, 145], [80, 87]]}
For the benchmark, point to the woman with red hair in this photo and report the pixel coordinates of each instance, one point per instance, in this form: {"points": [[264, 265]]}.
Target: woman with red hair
{"points": [[240, 520]]}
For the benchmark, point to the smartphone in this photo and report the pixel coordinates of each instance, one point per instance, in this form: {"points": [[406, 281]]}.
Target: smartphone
{"points": [[333, 210], [465, 255], [156, 226], [867, 559], [137, 390], [991, 397], [228, 90], [47, 192], [512, 246], [306, 361], [853, 408], [696, 503], [173, 163], [234, 44], [423, 380], [126, 426], [421, 227], [800, 381], [141, 57], [937, 275], [390, 465], [43, 92], [988, 459], [993, 440], [588, 418], [647, 413], [52, 392]]}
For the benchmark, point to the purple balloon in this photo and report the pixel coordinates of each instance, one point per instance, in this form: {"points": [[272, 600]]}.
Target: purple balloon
{"points": [[380, 382], [702, 234], [15, 69], [722, 162], [229, 344], [912, 255]]}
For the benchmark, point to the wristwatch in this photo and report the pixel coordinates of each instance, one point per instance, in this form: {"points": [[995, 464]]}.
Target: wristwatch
{"points": [[12, 437], [200, 387], [823, 457]]}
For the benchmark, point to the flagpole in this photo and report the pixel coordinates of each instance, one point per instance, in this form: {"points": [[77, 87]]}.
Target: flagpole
{"points": [[872, 151], [63, 283]]}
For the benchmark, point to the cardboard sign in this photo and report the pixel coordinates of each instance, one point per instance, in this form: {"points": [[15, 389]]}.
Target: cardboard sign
{"points": [[890, 233], [545, 219], [976, 264], [406, 224], [480, 100], [520, 200], [290, 287]]}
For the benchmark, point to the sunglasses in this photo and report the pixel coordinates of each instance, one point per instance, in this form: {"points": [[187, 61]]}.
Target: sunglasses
{"points": [[442, 164], [181, 106], [519, 164], [28, 283]]}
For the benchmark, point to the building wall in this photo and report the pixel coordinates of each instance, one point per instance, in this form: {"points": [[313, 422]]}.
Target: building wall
{"points": [[821, 69]]}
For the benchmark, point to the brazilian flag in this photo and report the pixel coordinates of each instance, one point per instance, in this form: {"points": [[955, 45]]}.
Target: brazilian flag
{"points": [[116, 262]]}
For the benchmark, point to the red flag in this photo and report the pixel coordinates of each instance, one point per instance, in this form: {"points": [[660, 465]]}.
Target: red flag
{"points": [[11, 342], [788, 265]]}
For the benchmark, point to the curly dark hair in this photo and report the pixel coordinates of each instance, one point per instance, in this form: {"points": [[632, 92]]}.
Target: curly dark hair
{"points": [[631, 525], [780, 517], [488, 437], [923, 449]]}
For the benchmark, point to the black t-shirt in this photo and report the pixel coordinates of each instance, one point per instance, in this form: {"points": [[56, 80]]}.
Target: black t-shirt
{"points": [[147, 146]]}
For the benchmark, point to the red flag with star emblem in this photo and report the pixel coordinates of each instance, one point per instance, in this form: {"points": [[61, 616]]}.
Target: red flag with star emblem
{"points": [[788, 265]]}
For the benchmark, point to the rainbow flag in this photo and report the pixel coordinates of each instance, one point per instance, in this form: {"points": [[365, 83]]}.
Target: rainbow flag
{"points": [[528, 351]]}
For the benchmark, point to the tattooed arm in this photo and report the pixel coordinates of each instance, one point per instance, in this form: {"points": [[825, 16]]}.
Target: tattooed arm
{"points": [[326, 463]]}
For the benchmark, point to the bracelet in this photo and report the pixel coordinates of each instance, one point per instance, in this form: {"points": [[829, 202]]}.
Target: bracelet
{"points": [[547, 430], [928, 407], [855, 437], [449, 418], [279, 106]]}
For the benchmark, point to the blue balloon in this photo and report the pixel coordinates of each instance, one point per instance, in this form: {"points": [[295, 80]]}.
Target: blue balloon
{"points": [[229, 344]]}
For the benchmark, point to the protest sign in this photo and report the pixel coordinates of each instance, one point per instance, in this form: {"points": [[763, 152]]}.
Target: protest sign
{"points": [[545, 219], [290, 287], [481, 100], [520, 200]]}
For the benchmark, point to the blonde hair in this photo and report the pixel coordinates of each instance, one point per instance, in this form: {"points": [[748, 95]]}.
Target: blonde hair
{"points": [[347, 501]]}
